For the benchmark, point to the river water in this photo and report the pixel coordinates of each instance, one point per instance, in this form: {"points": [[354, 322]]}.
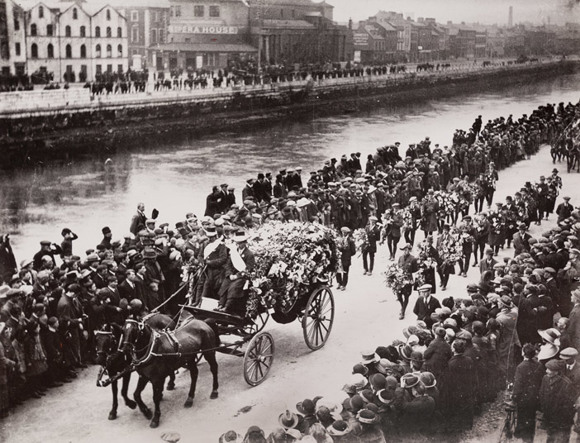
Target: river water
{"points": [[176, 177]]}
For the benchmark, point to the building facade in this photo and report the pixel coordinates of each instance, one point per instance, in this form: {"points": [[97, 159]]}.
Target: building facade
{"points": [[204, 34], [147, 28], [12, 39], [75, 42], [298, 31]]}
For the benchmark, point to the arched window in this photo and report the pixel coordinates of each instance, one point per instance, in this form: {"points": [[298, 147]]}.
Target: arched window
{"points": [[120, 51], [119, 32], [68, 51], [75, 14], [50, 51], [40, 12], [83, 51], [98, 31], [33, 29], [108, 14], [34, 51], [109, 33], [98, 51], [49, 30], [109, 51], [83, 31], [67, 31]]}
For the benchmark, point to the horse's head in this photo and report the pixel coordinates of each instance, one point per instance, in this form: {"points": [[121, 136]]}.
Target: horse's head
{"points": [[136, 334], [105, 343]]}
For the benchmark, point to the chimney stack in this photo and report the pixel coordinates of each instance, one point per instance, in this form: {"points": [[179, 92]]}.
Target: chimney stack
{"points": [[511, 17]]}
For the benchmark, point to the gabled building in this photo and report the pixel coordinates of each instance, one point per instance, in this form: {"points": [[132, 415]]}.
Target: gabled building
{"points": [[75, 41]]}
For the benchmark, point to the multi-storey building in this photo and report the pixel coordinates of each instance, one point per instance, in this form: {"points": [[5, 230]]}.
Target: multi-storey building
{"points": [[12, 39], [147, 27], [109, 40], [298, 31], [204, 34], [74, 41]]}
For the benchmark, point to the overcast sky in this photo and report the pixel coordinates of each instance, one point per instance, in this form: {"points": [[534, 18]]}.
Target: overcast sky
{"points": [[482, 11]]}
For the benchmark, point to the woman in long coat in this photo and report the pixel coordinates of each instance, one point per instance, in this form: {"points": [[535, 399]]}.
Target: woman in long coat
{"points": [[460, 395]]}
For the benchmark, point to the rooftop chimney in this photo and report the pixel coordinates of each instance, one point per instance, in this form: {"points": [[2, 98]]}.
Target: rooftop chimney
{"points": [[511, 17]]}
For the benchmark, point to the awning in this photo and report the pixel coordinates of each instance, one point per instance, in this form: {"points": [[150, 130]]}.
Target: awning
{"points": [[205, 47]]}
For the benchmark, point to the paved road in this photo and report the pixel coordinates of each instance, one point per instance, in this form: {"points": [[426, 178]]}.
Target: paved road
{"points": [[366, 316]]}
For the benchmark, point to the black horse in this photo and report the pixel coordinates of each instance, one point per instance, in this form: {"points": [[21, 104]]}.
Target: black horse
{"points": [[113, 363], [158, 354], [116, 363]]}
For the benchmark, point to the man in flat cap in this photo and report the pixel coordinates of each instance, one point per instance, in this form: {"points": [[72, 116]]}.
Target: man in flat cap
{"points": [[426, 305], [564, 209], [47, 248], [557, 398]]}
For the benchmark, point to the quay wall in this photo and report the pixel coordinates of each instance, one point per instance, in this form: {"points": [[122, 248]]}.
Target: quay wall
{"points": [[59, 124]]}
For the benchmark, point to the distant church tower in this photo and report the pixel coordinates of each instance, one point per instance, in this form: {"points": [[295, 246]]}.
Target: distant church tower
{"points": [[511, 17]]}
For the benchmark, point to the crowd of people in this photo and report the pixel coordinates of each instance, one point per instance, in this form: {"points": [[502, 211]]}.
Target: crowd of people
{"points": [[51, 304]]}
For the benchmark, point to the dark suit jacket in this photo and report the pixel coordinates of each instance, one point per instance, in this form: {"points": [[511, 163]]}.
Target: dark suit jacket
{"points": [[423, 311], [527, 382], [485, 266], [437, 356]]}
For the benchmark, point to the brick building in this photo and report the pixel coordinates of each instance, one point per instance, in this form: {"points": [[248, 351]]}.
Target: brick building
{"points": [[147, 28], [204, 34]]}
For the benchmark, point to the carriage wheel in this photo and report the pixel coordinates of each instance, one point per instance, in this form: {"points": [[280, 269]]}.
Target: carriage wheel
{"points": [[318, 318], [257, 323], [258, 358]]}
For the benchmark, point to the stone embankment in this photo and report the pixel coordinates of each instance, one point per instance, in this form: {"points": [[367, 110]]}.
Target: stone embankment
{"points": [[64, 123]]}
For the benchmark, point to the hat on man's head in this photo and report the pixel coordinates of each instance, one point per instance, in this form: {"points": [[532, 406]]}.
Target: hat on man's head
{"points": [[556, 365], [369, 357], [406, 246], [288, 419], [240, 236], [210, 231], [409, 380], [568, 353], [106, 230]]}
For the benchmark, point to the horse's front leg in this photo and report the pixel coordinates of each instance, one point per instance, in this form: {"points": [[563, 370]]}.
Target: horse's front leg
{"points": [[157, 394], [114, 390], [137, 396], [171, 384], [124, 388]]}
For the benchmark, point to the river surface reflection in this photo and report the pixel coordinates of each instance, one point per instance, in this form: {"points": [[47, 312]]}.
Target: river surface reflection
{"points": [[176, 177]]}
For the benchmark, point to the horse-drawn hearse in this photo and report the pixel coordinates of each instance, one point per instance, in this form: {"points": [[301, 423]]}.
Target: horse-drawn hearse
{"points": [[156, 345]]}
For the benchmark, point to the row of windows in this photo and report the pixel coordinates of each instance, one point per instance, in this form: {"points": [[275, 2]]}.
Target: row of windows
{"points": [[157, 35], [198, 11], [68, 51], [82, 33], [75, 13], [157, 16]]}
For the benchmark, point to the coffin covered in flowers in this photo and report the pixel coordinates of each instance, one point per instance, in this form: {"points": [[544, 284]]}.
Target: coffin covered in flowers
{"points": [[290, 259]]}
